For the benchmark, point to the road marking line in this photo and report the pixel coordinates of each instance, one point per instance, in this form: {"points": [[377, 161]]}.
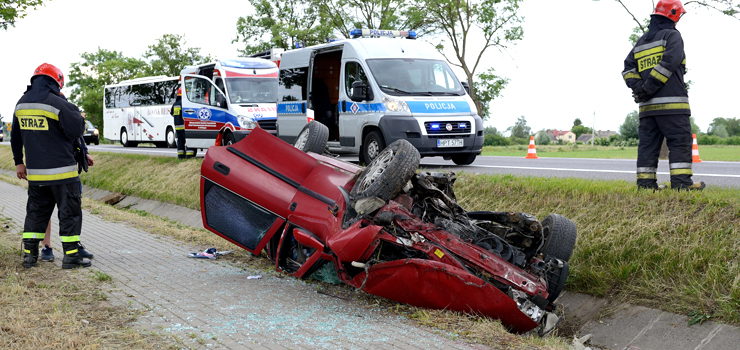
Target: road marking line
{"points": [[576, 170]]}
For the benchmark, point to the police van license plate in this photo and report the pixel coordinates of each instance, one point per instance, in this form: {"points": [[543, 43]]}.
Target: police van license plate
{"points": [[450, 143]]}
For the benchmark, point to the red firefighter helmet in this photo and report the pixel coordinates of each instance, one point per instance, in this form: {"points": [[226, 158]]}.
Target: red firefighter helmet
{"points": [[673, 9], [179, 91], [51, 71]]}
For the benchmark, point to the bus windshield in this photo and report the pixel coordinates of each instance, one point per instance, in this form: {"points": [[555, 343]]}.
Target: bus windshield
{"points": [[251, 90], [415, 77]]}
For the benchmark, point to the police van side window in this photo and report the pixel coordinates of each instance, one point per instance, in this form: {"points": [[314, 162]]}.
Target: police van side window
{"points": [[293, 84], [353, 72]]}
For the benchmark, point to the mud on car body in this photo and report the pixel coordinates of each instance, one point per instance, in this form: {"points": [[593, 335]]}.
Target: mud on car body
{"points": [[385, 229]]}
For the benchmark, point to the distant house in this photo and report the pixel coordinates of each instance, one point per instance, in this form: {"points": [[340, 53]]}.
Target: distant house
{"points": [[565, 136], [604, 133], [585, 138]]}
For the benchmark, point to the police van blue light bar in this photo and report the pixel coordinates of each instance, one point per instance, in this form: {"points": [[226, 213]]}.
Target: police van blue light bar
{"points": [[357, 33]]}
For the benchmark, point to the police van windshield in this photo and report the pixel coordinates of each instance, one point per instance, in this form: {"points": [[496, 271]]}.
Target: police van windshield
{"points": [[415, 77], [251, 90]]}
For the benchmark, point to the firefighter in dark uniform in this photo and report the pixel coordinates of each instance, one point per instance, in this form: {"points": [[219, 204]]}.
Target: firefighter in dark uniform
{"points": [[654, 70], [176, 112], [45, 125]]}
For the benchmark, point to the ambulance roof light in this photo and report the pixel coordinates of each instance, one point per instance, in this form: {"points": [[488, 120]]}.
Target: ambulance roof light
{"points": [[358, 33]]}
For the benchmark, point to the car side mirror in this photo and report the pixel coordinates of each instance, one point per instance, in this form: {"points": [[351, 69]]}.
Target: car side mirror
{"points": [[361, 92], [466, 87]]}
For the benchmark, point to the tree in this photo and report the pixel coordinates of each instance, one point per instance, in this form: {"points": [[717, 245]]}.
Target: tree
{"points": [[95, 71], [580, 130], [542, 138], [520, 129], [694, 128], [577, 122], [490, 130], [731, 126], [629, 129], [12, 10], [499, 24], [345, 15], [168, 56], [282, 24]]}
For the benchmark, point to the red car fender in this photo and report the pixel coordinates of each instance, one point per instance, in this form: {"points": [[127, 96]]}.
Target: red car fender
{"points": [[436, 285], [354, 243]]}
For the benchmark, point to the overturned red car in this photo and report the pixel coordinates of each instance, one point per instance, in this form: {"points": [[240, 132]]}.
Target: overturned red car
{"points": [[385, 228]]}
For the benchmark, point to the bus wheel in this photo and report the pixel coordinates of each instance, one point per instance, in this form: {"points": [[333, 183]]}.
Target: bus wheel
{"points": [[228, 139], [124, 139], [170, 137], [372, 146], [464, 159]]}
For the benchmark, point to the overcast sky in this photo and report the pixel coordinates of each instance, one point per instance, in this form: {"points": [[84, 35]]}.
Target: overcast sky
{"points": [[568, 65]]}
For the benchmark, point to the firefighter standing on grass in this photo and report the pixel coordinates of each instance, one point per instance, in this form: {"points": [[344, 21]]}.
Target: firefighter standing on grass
{"points": [[182, 151], [654, 70], [46, 126]]}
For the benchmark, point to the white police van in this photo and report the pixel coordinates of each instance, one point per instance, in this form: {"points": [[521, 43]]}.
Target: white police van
{"points": [[228, 98], [371, 91]]}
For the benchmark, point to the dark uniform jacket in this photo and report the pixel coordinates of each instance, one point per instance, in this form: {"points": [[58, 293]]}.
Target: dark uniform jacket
{"points": [[658, 62], [46, 127]]}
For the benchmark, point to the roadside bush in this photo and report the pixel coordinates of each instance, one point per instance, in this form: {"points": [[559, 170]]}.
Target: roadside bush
{"points": [[495, 140], [626, 143], [602, 141], [733, 140], [709, 140], [518, 140]]}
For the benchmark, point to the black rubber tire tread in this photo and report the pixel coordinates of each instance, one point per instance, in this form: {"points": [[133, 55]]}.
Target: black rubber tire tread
{"points": [[562, 236], [228, 136], [378, 136], [318, 137], [464, 159], [398, 172]]}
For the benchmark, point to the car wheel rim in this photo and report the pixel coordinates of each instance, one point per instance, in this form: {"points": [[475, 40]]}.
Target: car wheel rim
{"points": [[372, 150], [170, 138], [302, 139], [124, 138], [376, 169]]}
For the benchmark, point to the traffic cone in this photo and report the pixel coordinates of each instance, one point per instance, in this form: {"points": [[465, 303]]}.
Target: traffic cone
{"points": [[695, 151], [531, 152]]}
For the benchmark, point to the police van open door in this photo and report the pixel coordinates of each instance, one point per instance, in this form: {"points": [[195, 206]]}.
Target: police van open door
{"points": [[204, 110]]}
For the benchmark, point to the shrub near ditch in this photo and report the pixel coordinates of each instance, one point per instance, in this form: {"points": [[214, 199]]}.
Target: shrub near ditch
{"points": [[676, 251]]}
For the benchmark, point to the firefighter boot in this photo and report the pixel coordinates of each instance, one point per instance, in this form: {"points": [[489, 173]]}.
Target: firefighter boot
{"points": [[30, 252], [72, 258], [695, 186]]}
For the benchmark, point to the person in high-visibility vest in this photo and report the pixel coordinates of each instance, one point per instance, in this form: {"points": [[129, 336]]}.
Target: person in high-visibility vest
{"points": [[654, 70], [182, 151]]}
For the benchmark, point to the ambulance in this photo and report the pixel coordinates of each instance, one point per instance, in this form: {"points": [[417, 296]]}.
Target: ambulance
{"points": [[223, 101], [375, 88]]}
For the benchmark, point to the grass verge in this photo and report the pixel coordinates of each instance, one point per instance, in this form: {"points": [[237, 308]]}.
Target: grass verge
{"points": [[706, 152], [48, 308]]}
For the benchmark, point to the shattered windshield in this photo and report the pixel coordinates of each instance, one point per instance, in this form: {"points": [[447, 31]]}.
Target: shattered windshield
{"points": [[251, 90], [415, 77]]}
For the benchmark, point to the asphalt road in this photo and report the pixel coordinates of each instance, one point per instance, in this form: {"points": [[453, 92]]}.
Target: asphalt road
{"points": [[725, 174]]}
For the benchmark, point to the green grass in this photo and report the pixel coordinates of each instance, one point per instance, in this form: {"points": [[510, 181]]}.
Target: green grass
{"points": [[676, 251], [706, 152]]}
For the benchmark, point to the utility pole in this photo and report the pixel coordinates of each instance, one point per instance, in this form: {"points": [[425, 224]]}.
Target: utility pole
{"points": [[593, 131]]}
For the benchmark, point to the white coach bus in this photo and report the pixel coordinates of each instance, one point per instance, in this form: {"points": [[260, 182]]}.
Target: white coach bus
{"points": [[138, 110]]}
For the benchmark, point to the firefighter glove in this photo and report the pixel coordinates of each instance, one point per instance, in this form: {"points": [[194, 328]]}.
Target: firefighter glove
{"points": [[639, 94]]}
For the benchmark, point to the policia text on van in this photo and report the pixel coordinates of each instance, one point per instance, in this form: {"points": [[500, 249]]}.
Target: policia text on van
{"points": [[370, 92]]}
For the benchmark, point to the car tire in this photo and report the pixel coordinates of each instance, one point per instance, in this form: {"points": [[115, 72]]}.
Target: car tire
{"points": [[228, 139], [170, 138], [97, 141], [560, 236], [312, 138], [372, 145], [388, 173], [464, 159]]}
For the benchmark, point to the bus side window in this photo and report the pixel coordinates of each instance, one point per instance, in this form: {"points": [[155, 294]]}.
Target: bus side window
{"points": [[293, 85], [353, 72]]}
